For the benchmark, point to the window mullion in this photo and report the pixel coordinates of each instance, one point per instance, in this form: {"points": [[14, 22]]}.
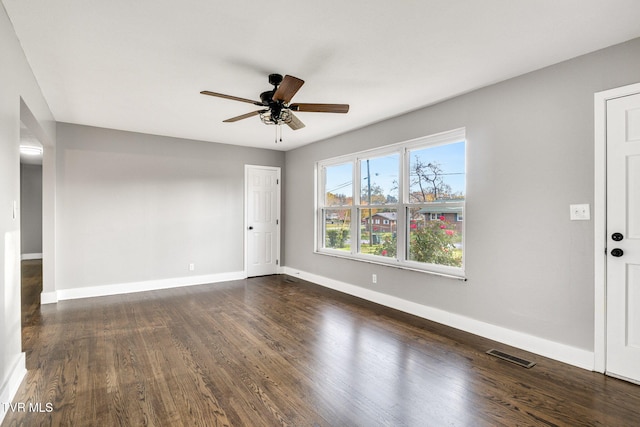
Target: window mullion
{"points": [[355, 216], [321, 204], [356, 182], [401, 233], [355, 238]]}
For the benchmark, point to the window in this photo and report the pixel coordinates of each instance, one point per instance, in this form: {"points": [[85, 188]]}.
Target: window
{"points": [[401, 205], [336, 214]]}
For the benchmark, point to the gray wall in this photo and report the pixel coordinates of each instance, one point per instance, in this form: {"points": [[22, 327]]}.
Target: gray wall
{"points": [[133, 207], [529, 156], [31, 209], [16, 83]]}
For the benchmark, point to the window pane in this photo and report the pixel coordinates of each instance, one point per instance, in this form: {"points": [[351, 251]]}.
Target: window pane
{"points": [[378, 231], [337, 229], [435, 239], [437, 173], [379, 180], [339, 185]]}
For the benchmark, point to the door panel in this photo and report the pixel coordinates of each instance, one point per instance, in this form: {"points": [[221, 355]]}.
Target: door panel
{"points": [[633, 196], [262, 238], [633, 306], [623, 252]]}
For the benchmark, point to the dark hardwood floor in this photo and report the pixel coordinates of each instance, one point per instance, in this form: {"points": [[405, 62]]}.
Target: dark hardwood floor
{"points": [[275, 351]]}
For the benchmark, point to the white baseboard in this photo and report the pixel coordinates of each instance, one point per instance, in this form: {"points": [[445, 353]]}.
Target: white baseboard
{"points": [[127, 288], [25, 257], [10, 386], [564, 353], [49, 297]]}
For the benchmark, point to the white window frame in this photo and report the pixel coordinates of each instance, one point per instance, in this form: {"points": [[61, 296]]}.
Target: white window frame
{"points": [[401, 208]]}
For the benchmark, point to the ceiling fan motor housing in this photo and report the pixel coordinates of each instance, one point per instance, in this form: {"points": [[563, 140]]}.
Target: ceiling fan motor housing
{"points": [[275, 79], [267, 97]]}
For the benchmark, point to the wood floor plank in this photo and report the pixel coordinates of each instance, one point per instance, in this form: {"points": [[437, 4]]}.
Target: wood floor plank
{"points": [[276, 351]]}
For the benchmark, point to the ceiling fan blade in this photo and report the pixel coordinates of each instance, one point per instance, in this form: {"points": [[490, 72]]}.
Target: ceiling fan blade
{"points": [[234, 98], [295, 122], [244, 116], [321, 108], [289, 86]]}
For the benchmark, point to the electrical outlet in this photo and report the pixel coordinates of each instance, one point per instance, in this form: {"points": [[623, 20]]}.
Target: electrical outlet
{"points": [[374, 278], [192, 267], [580, 212]]}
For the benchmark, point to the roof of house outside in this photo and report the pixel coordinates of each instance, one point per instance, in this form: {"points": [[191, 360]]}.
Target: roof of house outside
{"points": [[393, 216], [441, 206], [441, 210]]}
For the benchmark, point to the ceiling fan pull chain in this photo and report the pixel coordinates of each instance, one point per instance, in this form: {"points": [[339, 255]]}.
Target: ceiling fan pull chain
{"points": [[278, 128]]}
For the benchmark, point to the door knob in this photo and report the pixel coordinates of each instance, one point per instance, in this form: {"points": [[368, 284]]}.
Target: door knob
{"points": [[251, 227], [617, 252], [617, 237]]}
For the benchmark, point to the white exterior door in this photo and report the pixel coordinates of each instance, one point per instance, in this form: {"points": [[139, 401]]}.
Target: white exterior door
{"points": [[623, 238], [262, 220]]}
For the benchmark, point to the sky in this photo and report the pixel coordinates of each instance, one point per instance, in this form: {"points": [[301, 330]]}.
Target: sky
{"points": [[384, 170]]}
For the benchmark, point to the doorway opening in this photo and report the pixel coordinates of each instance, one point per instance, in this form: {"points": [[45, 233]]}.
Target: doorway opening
{"points": [[31, 156], [262, 220]]}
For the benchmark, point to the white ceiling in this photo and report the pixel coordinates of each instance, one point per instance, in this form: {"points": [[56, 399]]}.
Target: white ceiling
{"points": [[140, 65]]}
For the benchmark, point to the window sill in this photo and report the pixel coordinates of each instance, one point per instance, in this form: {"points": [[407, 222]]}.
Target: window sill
{"points": [[442, 272]]}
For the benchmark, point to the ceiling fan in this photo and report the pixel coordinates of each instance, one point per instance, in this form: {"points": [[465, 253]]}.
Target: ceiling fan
{"points": [[276, 108]]}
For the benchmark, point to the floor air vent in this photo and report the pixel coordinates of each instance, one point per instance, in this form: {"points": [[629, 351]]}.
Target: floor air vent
{"points": [[510, 358]]}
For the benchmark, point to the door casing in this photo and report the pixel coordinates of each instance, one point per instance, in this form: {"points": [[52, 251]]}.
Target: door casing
{"points": [[600, 219]]}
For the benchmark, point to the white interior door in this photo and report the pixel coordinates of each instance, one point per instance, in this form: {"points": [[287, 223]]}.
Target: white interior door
{"points": [[262, 221], [623, 238]]}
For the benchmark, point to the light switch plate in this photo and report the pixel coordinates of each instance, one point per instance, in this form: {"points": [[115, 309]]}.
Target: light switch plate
{"points": [[580, 212]]}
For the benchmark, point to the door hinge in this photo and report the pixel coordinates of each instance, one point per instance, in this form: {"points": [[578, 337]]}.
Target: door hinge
{"points": [[277, 262], [277, 221], [277, 181]]}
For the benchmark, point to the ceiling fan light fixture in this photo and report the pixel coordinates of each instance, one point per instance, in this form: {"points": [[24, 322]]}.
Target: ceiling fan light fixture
{"points": [[283, 118], [30, 150]]}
